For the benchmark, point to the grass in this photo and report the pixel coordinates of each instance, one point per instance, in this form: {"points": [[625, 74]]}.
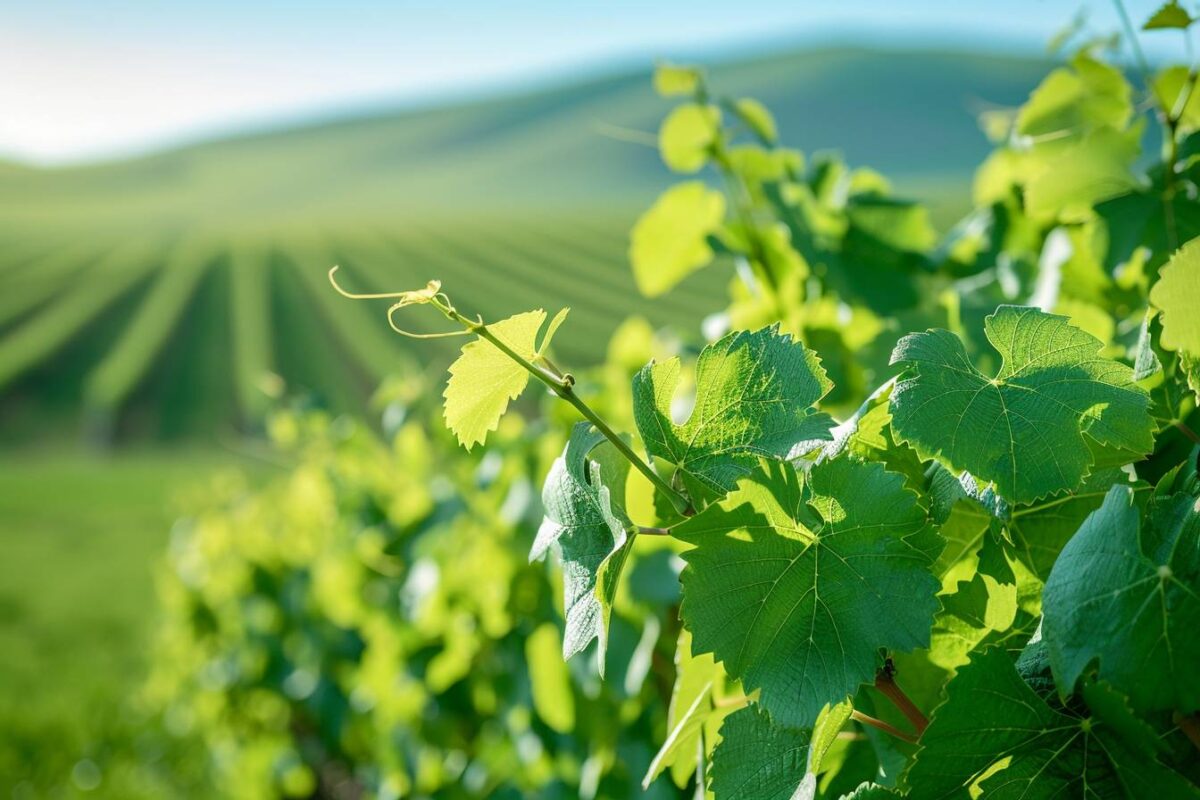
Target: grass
{"points": [[80, 537]]}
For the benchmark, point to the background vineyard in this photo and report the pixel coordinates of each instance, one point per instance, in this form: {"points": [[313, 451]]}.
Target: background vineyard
{"points": [[145, 299]]}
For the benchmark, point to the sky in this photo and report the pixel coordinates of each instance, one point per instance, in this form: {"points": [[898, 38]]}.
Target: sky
{"points": [[86, 80]]}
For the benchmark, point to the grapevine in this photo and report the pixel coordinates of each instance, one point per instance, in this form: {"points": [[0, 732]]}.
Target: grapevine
{"points": [[935, 505]]}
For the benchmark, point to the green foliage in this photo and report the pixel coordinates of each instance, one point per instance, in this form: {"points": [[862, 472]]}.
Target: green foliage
{"points": [[670, 241], [484, 379], [758, 759], [839, 579], [586, 524], [694, 717], [755, 398], [355, 624], [671, 80], [687, 136], [1177, 296], [1124, 594], [995, 735], [1033, 429], [787, 575], [1169, 15]]}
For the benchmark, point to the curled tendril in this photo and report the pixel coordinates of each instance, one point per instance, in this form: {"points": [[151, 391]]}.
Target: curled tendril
{"points": [[431, 294]]}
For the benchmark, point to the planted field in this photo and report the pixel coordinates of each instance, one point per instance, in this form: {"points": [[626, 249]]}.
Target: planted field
{"points": [[115, 274], [150, 304]]}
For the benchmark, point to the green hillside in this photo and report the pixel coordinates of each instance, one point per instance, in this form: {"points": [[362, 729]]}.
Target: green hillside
{"points": [[146, 298]]}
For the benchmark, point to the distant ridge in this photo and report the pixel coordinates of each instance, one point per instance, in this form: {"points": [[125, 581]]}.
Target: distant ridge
{"points": [[908, 114], [145, 298]]}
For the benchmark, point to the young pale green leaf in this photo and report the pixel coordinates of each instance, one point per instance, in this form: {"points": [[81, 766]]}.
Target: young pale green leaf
{"points": [[1177, 296], [687, 135], [978, 608], [1126, 594], [692, 714], [757, 118], [674, 80], [996, 735], [758, 759], [1169, 15], [585, 521], [550, 680], [1031, 429], [755, 398], [1097, 167], [484, 379], [670, 240], [1084, 96], [796, 581], [1145, 360]]}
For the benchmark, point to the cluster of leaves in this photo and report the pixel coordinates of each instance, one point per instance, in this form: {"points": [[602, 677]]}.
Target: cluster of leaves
{"points": [[369, 624], [1009, 526], [921, 519]]}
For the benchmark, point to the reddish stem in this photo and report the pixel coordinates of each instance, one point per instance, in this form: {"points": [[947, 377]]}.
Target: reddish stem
{"points": [[885, 682]]}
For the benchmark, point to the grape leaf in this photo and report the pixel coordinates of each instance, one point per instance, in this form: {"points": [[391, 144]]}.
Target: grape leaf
{"points": [[586, 522], [757, 118], [759, 759], [1177, 296], [672, 80], [978, 608], [1086, 95], [796, 581], [550, 681], [699, 681], [1071, 180], [1145, 360], [1169, 15], [483, 379], [994, 733], [755, 394], [1126, 593], [687, 134], [670, 240], [1032, 428]]}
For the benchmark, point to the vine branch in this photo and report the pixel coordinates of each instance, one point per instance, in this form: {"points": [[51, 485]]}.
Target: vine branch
{"points": [[1186, 431], [879, 724], [885, 682], [561, 383], [1190, 725]]}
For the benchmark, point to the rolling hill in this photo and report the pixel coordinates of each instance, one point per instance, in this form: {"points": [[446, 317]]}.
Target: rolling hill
{"points": [[145, 298]]}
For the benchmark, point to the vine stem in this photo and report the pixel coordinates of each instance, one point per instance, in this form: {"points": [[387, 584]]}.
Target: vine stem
{"points": [[1186, 431], [560, 383], [1170, 118], [563, 386], [891, 730], [885, 682], [1134, 44], [1190, 727], [731, 702]]}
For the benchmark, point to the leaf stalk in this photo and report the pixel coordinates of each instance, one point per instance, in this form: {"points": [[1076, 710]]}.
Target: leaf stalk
{"points": [[879, 724], [885, 682]]}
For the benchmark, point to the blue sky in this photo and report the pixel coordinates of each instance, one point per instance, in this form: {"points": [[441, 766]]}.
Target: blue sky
{"points": [[86, 79]]}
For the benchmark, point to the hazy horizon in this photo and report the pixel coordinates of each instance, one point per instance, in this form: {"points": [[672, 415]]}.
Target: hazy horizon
{"points": [[73, 103]]}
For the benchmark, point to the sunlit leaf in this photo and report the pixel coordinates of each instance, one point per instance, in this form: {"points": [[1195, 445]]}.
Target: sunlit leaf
{"points": [[670, 240], [1031, 429]]}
